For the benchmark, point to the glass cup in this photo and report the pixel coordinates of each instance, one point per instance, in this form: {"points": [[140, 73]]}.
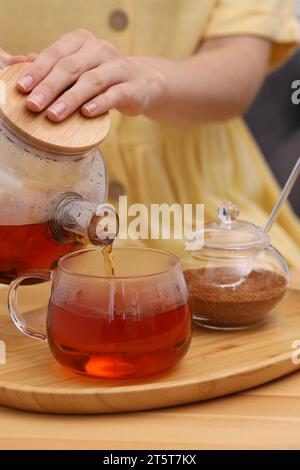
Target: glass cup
{"points": [[128, 326]]}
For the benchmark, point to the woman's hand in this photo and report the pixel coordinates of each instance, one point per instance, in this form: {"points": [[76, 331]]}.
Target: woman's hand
{"points": [[216, 83], [81, 71]]}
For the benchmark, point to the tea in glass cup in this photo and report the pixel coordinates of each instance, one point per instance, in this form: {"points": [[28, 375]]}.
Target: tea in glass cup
{"points": [[134, 324]]}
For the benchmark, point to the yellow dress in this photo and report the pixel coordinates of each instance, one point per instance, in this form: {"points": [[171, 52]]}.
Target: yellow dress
{"points": [[152, 163]]}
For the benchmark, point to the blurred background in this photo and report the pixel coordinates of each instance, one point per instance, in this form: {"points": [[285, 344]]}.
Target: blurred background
{"points": [[275, 121]]}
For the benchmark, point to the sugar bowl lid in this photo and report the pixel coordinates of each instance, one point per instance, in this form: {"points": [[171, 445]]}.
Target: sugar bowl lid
{"points": [[228, 233], [76, 134]]}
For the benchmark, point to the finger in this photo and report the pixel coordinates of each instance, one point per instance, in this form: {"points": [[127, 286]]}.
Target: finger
{"points": [[32, 57], [122, 97], [17, 59], [63, 75], [67, 45], [4, 56], [90, 84]]}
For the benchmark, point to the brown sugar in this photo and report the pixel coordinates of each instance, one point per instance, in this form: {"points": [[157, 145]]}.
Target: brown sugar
{"points": [[233, 306]]}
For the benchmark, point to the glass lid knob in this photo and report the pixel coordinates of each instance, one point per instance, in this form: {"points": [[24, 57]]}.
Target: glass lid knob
{"points": [[228, 212]]}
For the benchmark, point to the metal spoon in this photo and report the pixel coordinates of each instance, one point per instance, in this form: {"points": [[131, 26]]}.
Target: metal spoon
{"points": [[284, 195], [282, 199]]}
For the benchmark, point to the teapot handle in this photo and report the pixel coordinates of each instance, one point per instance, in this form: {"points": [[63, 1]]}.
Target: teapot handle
{"points": [[13, 309]]}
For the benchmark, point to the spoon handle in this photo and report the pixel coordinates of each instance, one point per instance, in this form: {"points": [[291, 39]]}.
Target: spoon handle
{"points": [[284, 195]]}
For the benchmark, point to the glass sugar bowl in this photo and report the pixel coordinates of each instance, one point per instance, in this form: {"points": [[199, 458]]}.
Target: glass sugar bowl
{"points": [[237, 277]]}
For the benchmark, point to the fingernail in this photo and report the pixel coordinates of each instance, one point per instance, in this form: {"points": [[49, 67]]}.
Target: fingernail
{"points": [[25, 82], [57, 109], [38, 99], [90, 107]]}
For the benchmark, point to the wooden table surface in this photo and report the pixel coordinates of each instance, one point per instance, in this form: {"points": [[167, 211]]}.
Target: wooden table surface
{"points": [[267, 417]]}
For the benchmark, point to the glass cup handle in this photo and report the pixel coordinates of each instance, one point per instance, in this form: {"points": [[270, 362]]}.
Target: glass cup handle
{"points": [[12, 300]]}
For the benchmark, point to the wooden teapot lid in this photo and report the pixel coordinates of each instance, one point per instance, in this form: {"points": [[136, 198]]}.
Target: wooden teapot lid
{"points": [[76, 134]]}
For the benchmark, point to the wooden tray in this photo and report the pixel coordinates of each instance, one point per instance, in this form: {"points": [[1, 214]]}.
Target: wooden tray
{"points": [[218, 363]]}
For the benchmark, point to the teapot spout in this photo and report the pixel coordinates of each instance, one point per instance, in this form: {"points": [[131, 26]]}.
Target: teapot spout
{"points": [[96, 224]]}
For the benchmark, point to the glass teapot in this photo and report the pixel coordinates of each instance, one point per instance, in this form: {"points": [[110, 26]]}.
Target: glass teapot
{"points": [[237, 277], [52, 184]]}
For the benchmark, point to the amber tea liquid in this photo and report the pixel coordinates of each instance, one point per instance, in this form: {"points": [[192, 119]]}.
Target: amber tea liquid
{"points": [[125, 346], [32, 246], [121, 345]]}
